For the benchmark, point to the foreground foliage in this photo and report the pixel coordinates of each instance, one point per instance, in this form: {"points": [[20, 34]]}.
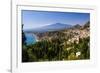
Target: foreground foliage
{"points": [[51, 51]]}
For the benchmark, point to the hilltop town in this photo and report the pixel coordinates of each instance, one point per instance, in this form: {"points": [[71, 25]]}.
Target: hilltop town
{"points": [[70, 35]]}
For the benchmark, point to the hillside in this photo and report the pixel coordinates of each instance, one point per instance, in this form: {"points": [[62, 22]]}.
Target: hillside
{"points": [[66, 44], [71, 34]]}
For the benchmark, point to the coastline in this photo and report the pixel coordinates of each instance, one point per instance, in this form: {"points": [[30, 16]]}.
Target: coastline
{"points": [[35, 37]]}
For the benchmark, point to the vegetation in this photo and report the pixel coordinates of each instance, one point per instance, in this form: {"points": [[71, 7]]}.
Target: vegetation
{"points": [[25, 56], [57, 45]]}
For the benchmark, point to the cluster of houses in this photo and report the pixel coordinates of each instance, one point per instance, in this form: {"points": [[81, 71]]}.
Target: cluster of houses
{"points": [[77, 34]]}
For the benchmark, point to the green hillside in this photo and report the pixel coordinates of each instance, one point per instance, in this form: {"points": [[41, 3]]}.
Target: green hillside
{"points": [[66, 44]]}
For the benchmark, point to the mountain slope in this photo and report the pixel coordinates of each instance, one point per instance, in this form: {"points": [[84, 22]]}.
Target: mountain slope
{"points": [[51, 27], [57, 26]]}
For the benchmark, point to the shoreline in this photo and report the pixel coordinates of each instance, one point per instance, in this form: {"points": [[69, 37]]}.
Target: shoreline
{"points": [[35, 37]]}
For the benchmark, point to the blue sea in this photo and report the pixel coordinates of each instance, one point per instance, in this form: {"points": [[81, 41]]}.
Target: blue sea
{"points": [[30, 38]]}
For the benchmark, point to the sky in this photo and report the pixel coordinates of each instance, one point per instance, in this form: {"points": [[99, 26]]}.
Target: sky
{"points": [[35, 19]]}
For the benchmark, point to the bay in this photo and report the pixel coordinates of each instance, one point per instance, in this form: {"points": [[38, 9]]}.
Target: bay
{"points": [[30, 38]]}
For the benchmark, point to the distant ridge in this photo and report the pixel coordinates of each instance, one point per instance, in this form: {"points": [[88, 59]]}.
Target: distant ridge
{"points": [[51, 27]]}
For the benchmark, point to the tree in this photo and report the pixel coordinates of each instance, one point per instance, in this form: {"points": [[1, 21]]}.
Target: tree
{"points": [[24, 47], [23, 36]]}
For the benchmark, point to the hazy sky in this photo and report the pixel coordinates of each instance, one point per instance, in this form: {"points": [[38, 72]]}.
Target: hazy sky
{"points": [[34, 19]]}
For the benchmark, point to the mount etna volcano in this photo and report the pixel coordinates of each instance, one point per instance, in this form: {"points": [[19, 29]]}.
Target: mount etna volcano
{"points": [[51, 27]]}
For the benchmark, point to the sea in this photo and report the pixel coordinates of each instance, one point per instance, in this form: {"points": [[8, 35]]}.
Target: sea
{"points": [[30, 38]]}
